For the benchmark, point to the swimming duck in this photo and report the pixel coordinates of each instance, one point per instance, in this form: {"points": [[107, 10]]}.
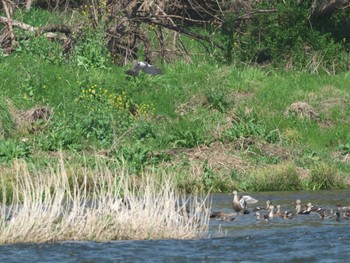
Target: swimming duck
{"points": [[288, 215], [223, 216], [258, 208], [239, 203], [278, 212], [271, 213], [304, 211], [145, 67], [259, 217]]}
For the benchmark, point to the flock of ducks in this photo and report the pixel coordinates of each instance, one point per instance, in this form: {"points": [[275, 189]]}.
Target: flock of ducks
{"points": [[240, 207]]}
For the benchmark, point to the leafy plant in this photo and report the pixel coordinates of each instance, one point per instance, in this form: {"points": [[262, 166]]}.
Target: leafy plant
{"points": [[136, 157], [218, 100], [212, 181], [44, 48], [11, 149], [344, 148], [90, 50]]}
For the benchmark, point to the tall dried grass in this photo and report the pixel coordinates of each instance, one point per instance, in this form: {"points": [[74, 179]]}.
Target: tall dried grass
{"points": [[58, 205]]}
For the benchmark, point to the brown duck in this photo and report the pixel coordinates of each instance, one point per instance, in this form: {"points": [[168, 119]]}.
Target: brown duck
{"points": [[239, 203]]}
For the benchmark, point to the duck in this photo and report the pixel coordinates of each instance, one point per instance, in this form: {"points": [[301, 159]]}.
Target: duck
{"points": [[288, 215], [258, 208], [324, 214], [223, 216], [304, 211], [145, 67], [258, 217], [239, 203], [271, 213], [278, 212]]}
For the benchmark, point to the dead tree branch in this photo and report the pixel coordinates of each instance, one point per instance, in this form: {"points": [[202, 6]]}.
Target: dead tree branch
{"points": [[329, 6]]}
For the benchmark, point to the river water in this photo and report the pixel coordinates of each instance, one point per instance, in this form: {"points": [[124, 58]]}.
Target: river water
{"points": [[304, 238]]}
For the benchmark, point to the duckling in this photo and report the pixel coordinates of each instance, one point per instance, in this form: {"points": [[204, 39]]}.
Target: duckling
{"points": [[239, 203]]}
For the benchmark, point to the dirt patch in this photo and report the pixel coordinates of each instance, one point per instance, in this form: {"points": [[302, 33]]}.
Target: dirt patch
{"points": [[302, 110], [341, 156], [29, 119], [191, 105], [217, 156], [276, 150]]}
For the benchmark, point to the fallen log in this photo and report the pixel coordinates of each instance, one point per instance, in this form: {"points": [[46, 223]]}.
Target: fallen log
{"points": [[49, 31]]}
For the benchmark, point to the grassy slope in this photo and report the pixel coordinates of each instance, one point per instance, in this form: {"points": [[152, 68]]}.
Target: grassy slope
{"points": [[197, 104], [218, 127]]}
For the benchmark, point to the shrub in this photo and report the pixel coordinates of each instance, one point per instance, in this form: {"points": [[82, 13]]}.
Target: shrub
{"points": [[289, 37]]}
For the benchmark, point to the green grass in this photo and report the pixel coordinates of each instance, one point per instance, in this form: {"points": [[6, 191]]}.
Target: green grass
{"points": [[189, 104], [170, 120]]}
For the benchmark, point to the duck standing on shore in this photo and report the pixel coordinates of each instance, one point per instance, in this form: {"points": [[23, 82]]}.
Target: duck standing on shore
{"points": [[239, 203]]}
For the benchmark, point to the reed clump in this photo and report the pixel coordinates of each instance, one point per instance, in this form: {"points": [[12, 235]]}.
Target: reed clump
{"points": [[57, 205]]}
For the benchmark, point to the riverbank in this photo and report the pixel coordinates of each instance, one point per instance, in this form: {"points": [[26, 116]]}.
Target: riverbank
{"points": [[215, 127]]}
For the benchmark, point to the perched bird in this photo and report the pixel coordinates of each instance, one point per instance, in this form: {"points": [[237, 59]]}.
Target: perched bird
{"points": [[239, 203], [145, 67]]}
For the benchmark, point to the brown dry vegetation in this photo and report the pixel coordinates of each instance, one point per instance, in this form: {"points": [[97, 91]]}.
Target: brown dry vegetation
{"points": [[52, 205]]}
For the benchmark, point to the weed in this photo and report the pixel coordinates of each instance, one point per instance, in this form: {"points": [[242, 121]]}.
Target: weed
{"points": [[218, 100], [344, 148], [90, 52], [44, 49], [12, 149]]}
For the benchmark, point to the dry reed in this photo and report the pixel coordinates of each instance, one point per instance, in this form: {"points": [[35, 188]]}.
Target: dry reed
{"points": [[58, 205]]}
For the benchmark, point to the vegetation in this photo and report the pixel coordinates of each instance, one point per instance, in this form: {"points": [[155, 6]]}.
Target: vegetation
{"points": [[256, 101], [54, 205]]}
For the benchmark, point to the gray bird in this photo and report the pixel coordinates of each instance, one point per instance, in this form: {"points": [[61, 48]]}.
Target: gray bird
{"points": [[145, 67]]}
